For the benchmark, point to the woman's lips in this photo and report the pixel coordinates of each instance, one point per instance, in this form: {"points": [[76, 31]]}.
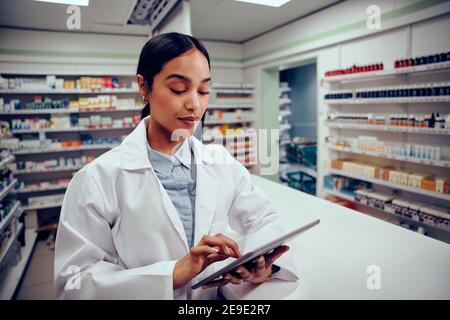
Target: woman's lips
{"points": [[190, 121]]}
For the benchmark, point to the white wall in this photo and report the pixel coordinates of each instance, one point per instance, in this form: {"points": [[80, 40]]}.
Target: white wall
{"points": [[26, 51]]}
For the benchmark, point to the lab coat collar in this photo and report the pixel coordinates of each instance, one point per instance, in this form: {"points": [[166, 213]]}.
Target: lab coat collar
{"points": [[134, 154], [164, 163]]}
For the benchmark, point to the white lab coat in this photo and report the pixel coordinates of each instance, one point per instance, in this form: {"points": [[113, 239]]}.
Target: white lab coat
{"points": [[119, 234]]}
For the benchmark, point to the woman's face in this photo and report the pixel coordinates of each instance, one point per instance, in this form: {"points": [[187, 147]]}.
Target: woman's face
{"points": [[180, 92]]}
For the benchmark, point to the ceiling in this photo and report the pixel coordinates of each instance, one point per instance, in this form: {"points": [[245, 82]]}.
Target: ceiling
{"points": [[221, 20]]}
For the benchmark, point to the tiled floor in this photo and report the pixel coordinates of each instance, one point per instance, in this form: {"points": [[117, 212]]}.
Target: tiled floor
{"points": [[38, 282]]}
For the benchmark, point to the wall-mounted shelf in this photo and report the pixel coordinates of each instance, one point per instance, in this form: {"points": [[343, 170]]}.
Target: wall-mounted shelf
{"points": [[417, 130], [424, 192], [436, 163]]}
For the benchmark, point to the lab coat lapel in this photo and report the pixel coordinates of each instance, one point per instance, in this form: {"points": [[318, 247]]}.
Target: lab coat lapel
{"points": [[134, 157], [205, 199]]}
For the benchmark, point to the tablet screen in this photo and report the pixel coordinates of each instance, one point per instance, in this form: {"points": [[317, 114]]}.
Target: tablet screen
{"points": [[262, 250]]}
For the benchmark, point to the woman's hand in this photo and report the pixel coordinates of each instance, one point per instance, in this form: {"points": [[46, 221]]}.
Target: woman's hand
{"points": [[209, 249], [257, 274]]}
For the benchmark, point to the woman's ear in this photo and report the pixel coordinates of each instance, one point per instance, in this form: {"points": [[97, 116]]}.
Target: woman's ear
{"points": [[143, 89]]}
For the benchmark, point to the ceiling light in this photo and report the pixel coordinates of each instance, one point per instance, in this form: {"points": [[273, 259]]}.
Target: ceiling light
{"points": [[271, 3], [75, 2]]}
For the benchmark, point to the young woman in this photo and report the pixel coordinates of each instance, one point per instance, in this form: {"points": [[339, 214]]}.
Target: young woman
{"points": [[144, 219]]}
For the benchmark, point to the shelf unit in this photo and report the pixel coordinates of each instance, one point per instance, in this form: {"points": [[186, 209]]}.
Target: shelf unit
{"points": [[66, 111], [441, 233], [44, 206], [16, 211], [11, 278], [380, 182], [7, 189], [231, 107], [68, 149], [11, 241], [376, 75], [374, 127], [391, 79], [81, 104], [435, 163], [284, 107]]}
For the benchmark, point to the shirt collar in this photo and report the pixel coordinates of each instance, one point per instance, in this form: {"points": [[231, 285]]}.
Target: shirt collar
{"points": [[163, 163]]}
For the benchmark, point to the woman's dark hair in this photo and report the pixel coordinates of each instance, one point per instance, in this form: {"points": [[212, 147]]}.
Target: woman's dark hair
{"points": [[161, 49]]}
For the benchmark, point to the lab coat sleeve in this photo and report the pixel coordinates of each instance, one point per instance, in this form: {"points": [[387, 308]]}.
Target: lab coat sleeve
{"points": [[253, 215], [87, 265]]}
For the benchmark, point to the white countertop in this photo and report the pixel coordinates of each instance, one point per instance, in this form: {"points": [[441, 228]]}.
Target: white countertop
{"points": [[333, 257]]}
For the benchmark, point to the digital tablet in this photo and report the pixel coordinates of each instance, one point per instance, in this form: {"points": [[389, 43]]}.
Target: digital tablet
{"points": [[262, 250]]}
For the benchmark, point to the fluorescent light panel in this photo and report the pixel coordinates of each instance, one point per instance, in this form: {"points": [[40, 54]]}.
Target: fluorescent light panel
{"points": [[69, 2], [271, 3]]}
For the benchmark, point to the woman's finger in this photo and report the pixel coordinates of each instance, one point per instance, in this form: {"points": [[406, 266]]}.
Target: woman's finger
{"points": [[278, 252], [260, 265], [244, 273], [233, 279], [216, 241], [203, 250], [230, 243], [216, 257]]}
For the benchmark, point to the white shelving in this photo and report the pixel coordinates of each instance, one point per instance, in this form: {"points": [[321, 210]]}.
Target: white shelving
{"points": [[438, 99], [285, 126], [43, 206], [69, 149], [209, 123], [376, 75], [12, 276], [7, 190], [6, 161], [11, 241], [15, 211], [231, 106], [57, 169], [352, 199], [42, 189], [65, 111], [436, 163], [428, 193], [73, 91], [374, 127], [74, 129]]}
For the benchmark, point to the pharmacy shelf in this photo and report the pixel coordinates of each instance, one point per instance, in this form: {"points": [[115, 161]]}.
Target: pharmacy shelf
{"points": [[283, 101], [402, 217], [375, 75], [284, 90], [284, 113], [68, 110], [424, 192], [6, 161], [11, 241], [10, 279], [73, 129], [233, 91], [231, 137], [388, 100], [70, 91], [295, 167], [47, 170], [42, 189], [14, 213], [42, 206], [230, 106], [8, 189], [436, 163], [240, 151], [373, 127], [285, 126], [69, 149], [210, 123]]}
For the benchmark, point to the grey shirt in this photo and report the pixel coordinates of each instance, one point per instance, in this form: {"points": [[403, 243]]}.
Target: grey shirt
{"points": [[177, 174]]}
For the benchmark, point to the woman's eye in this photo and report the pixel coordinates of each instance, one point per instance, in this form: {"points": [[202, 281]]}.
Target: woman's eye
{"points": [[204, 93], [177, 91]]}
